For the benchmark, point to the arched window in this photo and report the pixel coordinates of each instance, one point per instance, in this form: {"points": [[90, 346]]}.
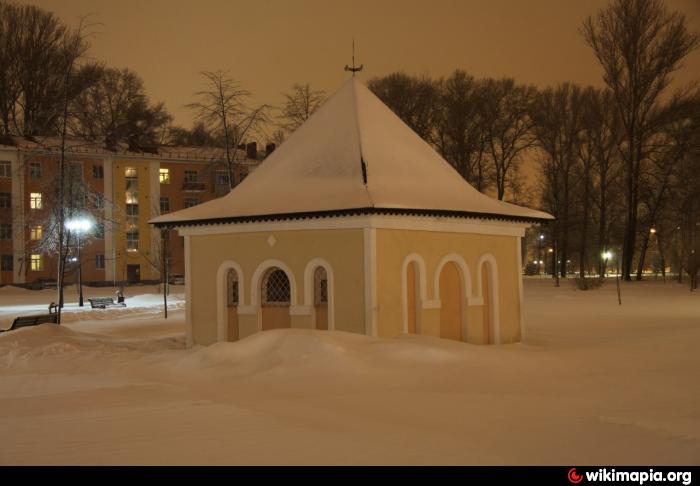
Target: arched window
{"points": [[320, 286], [275, 288], [232, 286]]}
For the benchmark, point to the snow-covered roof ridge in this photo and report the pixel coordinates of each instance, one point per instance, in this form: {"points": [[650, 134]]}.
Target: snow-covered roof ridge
{"points": [[353, 155]]}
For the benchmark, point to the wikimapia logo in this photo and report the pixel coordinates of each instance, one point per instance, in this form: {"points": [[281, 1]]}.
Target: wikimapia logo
{"points": [[637, 477]]}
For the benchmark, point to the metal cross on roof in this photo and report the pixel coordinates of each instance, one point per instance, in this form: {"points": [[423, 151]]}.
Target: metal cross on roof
{"points": [[354, 69]]}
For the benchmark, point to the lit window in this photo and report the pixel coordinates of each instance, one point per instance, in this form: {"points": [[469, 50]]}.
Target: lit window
{"points": [[165, 176], [35, 200], [35, 232], [191, 176], [36, 263], [132, 179], [132, 240], [5, 169], [35, 170]]}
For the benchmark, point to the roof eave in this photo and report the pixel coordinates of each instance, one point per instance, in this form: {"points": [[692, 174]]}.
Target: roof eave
{"points": [[353, 212]]}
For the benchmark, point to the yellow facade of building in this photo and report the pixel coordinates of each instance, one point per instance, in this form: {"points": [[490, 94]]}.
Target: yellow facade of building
{"points": [[368, 289]]}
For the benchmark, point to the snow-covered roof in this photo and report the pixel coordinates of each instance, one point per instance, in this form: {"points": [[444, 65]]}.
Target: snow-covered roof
{"points": [[353, 156]]}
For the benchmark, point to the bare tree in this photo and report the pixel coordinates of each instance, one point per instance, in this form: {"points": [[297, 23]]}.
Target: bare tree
{"points": [[508, 126], [412, 98], [639, 44], [459, 128], [74, 49], [557, 126], [115, 108], [223, 109], [301, 102]]}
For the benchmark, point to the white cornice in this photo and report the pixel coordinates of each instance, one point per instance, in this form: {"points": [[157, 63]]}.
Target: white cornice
{"points": [[413, 223]]}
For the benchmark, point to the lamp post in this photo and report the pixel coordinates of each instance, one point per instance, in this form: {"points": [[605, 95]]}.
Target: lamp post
{"points": [[79, 226], [540, 238]]}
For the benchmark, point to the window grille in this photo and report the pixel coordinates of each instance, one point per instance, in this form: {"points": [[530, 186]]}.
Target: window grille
{"points": [[132, 240], [5, 200], [232, 287], [276, 288], [320, 286], [164, 205], [5, 168]]}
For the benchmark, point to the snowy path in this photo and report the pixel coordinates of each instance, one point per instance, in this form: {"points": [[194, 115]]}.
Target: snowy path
{"points": [[593, 383]]}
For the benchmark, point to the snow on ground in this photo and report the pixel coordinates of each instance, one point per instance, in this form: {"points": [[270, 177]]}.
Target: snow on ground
{"points": [[592, 383]]}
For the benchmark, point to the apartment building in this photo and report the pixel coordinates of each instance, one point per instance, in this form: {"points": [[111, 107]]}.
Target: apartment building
{"points": [[118, 192]]}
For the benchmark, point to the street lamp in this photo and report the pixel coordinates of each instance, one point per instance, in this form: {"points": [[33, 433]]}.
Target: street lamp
{"points": [[607, 255], [540, 238], [79, 227]]}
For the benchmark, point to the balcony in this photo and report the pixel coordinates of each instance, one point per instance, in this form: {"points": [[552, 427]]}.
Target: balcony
{"points": [[193, 186]]}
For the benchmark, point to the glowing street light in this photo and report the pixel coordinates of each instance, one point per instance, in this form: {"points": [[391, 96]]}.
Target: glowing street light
{"points": [[79, 226]]}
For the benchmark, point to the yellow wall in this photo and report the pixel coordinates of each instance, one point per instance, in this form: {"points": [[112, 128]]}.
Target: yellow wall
{"points": [[342, 249], [394, 245], [142, 256]]}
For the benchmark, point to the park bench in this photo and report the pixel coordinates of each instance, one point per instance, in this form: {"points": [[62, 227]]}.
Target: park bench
{"points": [[104, 302], [35, 320]]}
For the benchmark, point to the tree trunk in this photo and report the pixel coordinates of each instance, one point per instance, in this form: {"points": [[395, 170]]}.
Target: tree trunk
{"points": [[642, 256]]}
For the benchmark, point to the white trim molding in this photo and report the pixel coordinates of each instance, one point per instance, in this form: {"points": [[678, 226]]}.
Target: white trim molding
{"points": [[432, 304], [248, 310], [309, 288], [222, 296], [370, 263], [422, 288], [189, 334], [463, 272], [415, 223], [492, 268], [299, 310], [473, 300], [521, 300]]}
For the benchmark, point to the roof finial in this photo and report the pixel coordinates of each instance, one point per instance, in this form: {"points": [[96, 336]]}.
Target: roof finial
{"points": [[353, 69]]}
